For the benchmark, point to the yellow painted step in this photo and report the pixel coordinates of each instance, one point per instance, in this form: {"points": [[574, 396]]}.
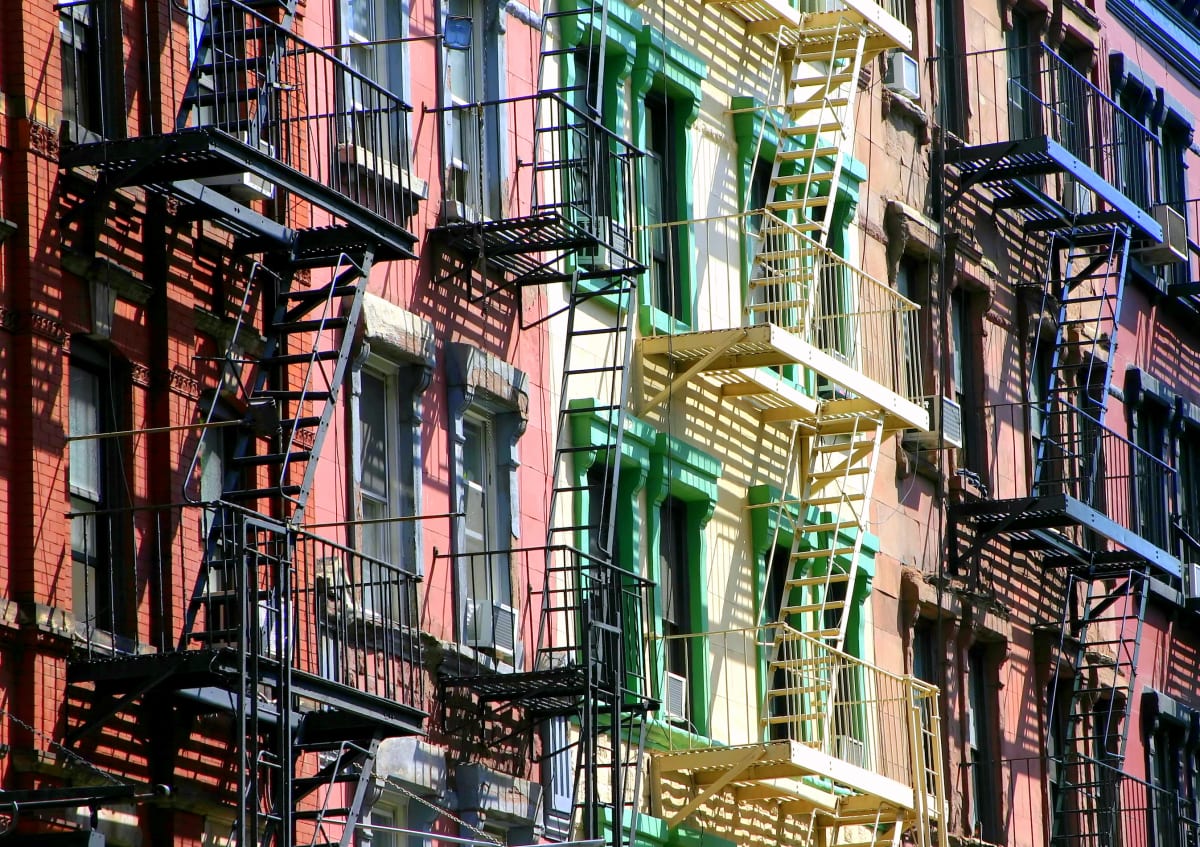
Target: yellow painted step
{"points": [[800, 203], [830, 125]]}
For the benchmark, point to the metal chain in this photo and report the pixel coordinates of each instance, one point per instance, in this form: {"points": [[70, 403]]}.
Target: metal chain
{"points": [[70, 754], [445, 813]]}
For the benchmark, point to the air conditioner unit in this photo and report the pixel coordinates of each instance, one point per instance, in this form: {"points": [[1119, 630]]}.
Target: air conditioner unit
{"points": [[675, 697], [245, 185], [1174, 245], [598, 256], [1191, 582], [1076, 197], [903, 75], [849, 750], [492, 627], [945, 425]]}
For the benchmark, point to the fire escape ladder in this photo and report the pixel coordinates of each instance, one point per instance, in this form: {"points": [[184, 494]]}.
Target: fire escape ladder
{"points": [[261, 566], [1084, 287], [819, 98], [346, 764], [1100, 642], [842, 456]]}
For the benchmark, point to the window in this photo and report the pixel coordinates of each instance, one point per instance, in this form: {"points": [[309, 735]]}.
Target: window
{"points": [[475, 145], [372, 29], [678, 616], [666, 83], [1058, 699], [963, 373], [89, 97], [1189, 485], [911, 276], [1022, 58], [1173, 181], [384, 414], [951, 66], [380, 822], [981, 738], [97, 486], [760, 195], [664, 181], [1133, 143], [1150, 423], [488, 401], [490, 589]]}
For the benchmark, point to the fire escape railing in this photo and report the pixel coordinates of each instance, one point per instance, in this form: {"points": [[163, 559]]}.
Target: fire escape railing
{"points": [[1025, 93], [302, 106], [354, 618], [1086, 461]]}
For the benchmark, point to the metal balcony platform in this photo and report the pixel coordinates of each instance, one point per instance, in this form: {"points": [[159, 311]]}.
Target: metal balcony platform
{"points": [[192, 672], [802, 777], [174, 162], [731, 356], [778, 20], [531, 250], [1044, 524], [1006, 168]]}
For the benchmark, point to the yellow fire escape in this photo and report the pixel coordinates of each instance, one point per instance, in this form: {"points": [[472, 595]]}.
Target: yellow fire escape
{"points": [[837, 752]]}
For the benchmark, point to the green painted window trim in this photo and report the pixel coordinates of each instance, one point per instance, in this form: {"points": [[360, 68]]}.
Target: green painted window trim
{"points": [[667, 68], [636, 446], [680, 470], [763, 524]]}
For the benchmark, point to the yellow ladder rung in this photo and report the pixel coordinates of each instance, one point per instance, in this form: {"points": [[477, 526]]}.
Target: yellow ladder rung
{"points": [[805, 555], [824, 579], [831, 606]]}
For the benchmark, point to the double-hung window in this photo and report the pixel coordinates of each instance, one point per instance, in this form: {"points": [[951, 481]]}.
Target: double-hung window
{"points": [[387, 446], [664, 181], [1151, 421], [678, 615], [1189, 487], [490, 616], [371, 31], [90, 98], [474, 132], [981, 740], [95, 483]]}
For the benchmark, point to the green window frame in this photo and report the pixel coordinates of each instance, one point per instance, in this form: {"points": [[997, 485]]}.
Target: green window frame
{"points": [[688, 475], [637, 443], [666, 82]]}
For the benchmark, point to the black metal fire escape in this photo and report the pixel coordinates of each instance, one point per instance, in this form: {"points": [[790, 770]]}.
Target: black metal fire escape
{"points": [[577, 230], [1069, 172], [303, 161]]}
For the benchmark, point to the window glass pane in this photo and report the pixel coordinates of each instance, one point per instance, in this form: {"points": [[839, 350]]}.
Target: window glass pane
{"points": [[84, 419], [373, 413]]}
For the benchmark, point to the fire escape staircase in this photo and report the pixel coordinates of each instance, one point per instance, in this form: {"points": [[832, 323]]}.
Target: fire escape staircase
{"points": [[1105, 567], [237, 648], [588, 671]]}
